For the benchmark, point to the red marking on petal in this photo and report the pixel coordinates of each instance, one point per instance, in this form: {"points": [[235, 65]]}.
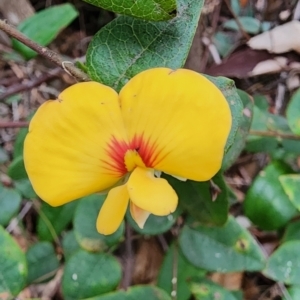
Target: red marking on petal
{"points": [[117, 150], [145, 149]]}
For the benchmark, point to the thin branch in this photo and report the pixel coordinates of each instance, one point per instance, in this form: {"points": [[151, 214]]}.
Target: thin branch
{"points": [[44, 51], [13, 124], [128, 268], [275, 134], [14, 222], [31, 84], [238, 22]]}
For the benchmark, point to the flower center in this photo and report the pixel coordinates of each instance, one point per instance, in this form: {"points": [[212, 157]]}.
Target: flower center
{"points": [[132, 160]]}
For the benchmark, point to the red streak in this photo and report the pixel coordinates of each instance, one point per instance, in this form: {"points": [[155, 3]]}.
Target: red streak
{"points": [[117, 150]]}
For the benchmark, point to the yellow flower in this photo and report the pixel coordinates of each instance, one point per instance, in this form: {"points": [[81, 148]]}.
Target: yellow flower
{"points": [[91, 139]]}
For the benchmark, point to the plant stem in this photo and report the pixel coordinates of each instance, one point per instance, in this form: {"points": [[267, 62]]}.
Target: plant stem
{"points": [[44, 51], [275, 134], [15, 124]]}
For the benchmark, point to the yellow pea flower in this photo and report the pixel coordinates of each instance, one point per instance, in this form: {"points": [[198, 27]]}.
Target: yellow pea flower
{"points": [[91, 139]]}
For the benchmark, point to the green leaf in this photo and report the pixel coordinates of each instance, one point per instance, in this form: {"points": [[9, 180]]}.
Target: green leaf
{"points": [[42, 262], [293, 293], [224, 42], [261, 102], [10, 202], [236, 6], [152, 10], [249, 24], [145, 292], [16, 169], [24, 187], [127, 46], [265, 121], [89, 274], [176, 265], [260, 122], [293, 113], [85, 225], [196, 198], [19, 142], [223, 249], [69, 244], [229, 91], [205, 289], [291, 186], [284, 264], [53, 220], [242, 132], [292, 232], [154, 224], [44, 26], [13, 267], [266, 204]]}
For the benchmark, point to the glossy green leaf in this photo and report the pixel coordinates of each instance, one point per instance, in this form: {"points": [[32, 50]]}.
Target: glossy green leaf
{"points": [[85, 225], [227, 87], [176, 266], [284, 264], [53, 220], [244, 126], [44, 26], [13, 267], [154, 224], [127, 46], [42, 262], [205, 289], [197, 199], [10, 202], [266, 204], [249, 24], [90, 274], [69, 244], [291, 186], [293, 113], [152, 10], [16, 169], [292, 232], [145, 292], [223, 249]]}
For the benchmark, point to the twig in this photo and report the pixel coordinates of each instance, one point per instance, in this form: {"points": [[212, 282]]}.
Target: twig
{"points": [[44, 51], [15, 124], [128, 269], [238, 22], [47, 222], [275, 134], [31, 84], [214, 24], [12, 225]]}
